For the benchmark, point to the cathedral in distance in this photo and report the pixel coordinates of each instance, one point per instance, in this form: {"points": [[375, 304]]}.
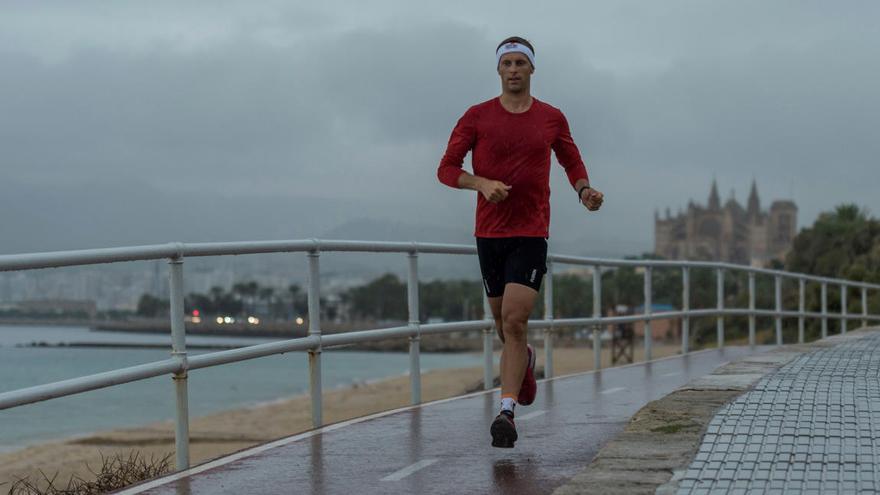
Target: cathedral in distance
{"points": [[727, 232]]}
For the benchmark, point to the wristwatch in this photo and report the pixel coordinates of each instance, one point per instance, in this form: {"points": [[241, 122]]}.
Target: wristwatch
{"points": [[581, 191]]}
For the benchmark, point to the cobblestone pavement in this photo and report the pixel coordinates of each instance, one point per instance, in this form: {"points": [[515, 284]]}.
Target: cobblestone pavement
{"points": [[811, 427]]}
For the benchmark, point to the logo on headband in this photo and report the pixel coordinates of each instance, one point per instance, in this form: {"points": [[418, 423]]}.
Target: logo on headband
{"points": [[511, 45]]}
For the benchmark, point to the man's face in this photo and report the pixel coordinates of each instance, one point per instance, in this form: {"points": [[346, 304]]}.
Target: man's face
{"points": [[515, 71]]}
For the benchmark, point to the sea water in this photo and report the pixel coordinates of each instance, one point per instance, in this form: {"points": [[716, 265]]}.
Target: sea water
{"points": [[210, 389]]}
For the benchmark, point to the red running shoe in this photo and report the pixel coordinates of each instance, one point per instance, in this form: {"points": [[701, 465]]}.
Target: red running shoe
{"points": [[529, 387]]}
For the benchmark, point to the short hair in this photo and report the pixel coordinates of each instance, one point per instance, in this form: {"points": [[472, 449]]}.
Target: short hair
{"points": [[516, 39]]}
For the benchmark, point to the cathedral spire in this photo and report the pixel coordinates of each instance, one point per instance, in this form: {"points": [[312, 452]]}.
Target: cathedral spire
{"points": [[714, 200], [754, 207]]}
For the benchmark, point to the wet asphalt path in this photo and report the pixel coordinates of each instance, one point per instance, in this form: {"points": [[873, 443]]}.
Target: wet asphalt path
{"points": [[444, 447]]}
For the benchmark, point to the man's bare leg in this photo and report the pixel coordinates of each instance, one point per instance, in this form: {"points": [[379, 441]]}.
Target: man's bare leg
{"points": [[495, 306], [516, 306]]}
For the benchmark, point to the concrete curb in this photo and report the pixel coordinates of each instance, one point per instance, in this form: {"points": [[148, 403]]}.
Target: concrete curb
{"points": [[660, 441]]}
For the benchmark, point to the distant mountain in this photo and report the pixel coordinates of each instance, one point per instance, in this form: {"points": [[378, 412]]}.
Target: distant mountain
{"points": [[38, 218], [597, 247], [430, 266], [372, 229], [451, 266], [43, 218]]}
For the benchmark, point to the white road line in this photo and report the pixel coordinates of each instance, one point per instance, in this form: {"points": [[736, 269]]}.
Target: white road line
{"points": [[613, 390], [674, 373], [531, 415], [403, 473]]}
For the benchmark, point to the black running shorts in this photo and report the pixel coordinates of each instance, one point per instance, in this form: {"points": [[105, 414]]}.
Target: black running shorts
{"points": [[505, 260]]}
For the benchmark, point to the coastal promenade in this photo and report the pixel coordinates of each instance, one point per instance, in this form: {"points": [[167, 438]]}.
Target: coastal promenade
{"points": [[800, 418], [443, 447]]}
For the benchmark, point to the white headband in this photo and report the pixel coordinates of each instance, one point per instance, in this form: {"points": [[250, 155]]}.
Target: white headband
{"points": [[514, 47]]}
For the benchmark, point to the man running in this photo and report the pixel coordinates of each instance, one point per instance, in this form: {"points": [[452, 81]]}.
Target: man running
{"points": [[511, 137]]}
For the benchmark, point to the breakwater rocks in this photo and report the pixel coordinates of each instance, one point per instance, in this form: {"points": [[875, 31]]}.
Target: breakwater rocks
{"points": [[124, 345], [456, 342], [431, 343], [281, 330]]}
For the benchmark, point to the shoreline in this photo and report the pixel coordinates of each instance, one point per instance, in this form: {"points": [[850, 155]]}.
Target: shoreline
{"points": [[463, 346], [438, 343], [227, 431], [76, 437]]}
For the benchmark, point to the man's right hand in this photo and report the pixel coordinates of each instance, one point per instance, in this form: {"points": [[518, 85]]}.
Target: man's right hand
{"points": [[494, 191]]}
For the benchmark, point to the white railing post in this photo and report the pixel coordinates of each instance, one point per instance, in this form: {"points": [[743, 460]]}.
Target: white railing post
{"points": [[778, 310], [178, 350], [843, 292], [801, 309], [597, 313], [488, 340], [752, 335], [648, 311], [314, 301], [824, 294], [686, 307], [412, 300], [864, 307], [548, 315], [719, 322]]}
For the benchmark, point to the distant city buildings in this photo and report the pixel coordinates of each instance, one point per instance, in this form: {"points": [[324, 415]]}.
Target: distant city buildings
{"points": [[47, 307], [106, 288], [120, 286], [728, 233]]}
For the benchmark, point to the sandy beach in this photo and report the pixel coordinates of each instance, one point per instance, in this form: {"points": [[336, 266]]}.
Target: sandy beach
{"points": [[221, 433]]}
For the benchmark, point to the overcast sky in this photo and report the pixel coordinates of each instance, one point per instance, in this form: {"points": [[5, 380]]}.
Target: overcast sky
{"points": [[148, 122]]}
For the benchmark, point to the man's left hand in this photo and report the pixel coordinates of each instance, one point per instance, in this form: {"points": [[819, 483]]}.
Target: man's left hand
{"points": [[592, 199]]}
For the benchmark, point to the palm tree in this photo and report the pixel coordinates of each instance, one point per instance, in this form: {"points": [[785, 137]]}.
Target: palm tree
{"points": [[267, 295], [246, 291], [298, 300]]}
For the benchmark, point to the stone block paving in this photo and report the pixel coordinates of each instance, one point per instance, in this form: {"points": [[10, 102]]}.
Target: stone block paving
{"points": [[811, 427]]}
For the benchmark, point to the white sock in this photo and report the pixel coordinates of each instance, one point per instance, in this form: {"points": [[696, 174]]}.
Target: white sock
{"points": [[507, 404]]}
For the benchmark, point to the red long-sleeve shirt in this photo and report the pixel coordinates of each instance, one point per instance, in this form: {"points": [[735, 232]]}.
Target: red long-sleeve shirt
{"points": [[513, 148]]}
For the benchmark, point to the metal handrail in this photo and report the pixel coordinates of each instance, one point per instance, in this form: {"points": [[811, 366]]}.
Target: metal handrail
{"points": [[57, 259], [179, 364]]}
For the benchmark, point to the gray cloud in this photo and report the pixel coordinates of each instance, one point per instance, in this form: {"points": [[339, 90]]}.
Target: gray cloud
{"points": [[339, 105]]}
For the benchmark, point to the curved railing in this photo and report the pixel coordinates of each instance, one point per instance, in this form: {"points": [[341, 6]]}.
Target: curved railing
{"points": [[179, 363]]}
